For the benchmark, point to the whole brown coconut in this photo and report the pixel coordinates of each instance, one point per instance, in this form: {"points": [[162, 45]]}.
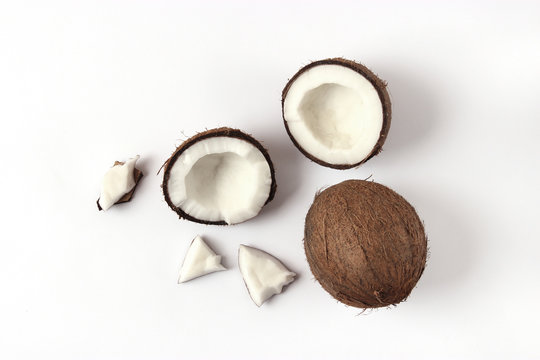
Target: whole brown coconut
{"points": [[365, 244]]}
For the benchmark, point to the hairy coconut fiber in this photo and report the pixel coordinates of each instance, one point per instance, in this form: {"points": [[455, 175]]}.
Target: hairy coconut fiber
{"points": [[365, 244]]}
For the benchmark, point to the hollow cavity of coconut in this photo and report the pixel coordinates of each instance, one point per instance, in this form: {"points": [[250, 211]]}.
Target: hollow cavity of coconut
{"points": [[365, 244], [221, 177], [337, 112]]}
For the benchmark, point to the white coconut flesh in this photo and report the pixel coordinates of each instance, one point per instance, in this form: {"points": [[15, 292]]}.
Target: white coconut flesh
{"points": [[220, 179], [117, 182], [263, 274], [334, 113], [200, 260]]}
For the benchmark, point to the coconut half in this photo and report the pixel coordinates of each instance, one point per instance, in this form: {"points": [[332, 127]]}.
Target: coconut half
{"points": [[221, 177], [337, 112]]}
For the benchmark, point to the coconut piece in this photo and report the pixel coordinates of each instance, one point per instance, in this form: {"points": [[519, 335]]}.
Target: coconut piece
{"points": [[221, 177], [365, 244], [263, 274], [200, 260], [119, 183], [337, 112]]}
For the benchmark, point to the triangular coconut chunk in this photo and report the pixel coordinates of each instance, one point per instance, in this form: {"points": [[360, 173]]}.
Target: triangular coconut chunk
{"points": [[200, 260], [263, 274]]}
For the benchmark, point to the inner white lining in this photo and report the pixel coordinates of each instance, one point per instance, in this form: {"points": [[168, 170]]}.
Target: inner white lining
{"points": [[334, 113], [220, 179]]}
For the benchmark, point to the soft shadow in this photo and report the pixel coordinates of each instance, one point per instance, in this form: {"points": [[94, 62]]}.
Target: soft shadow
{"points": [[286, 159], [451, 237], [145, 165], [415, 109]]}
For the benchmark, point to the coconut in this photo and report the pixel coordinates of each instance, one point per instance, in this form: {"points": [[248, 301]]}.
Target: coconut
{"points": [[119, 184], [365, 244], [264, 275], [219, 177], [337, 112], [200, 260]]}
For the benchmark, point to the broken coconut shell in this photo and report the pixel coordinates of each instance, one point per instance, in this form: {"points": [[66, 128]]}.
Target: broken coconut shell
{"points": [[137, 175], [264, 275], [218, 157], [365, 244], [326, 117]]}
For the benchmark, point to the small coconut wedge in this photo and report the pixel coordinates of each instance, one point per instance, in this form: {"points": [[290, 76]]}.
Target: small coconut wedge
{"points": [[263, 274], [337, 112], [119, 183], [200, 260], [219, 177]]}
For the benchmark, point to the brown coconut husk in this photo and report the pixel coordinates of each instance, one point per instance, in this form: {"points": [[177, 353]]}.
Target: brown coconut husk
{"points": [[365, 244], [137, 175], [223, 131], [380, 86]]}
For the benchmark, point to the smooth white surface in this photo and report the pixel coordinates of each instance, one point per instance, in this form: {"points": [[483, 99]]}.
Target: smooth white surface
{"points": [[200, 260], [117, 182], [334, 113], [77, 283], [264, 275], [220, 179]]}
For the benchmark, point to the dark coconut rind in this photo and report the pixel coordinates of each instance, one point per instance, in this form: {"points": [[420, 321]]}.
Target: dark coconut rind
{"points": [[225, 132], [137, 175], [379, 85], [365, 244]]}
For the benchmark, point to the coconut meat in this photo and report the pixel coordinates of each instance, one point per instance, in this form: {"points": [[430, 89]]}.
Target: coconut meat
{"points": [[220, 179], [263, 274], [200, 260], [117, 182], [334, 113]]}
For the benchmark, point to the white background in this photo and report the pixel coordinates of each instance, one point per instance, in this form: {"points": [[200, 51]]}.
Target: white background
{"points": [[84, 84]]}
